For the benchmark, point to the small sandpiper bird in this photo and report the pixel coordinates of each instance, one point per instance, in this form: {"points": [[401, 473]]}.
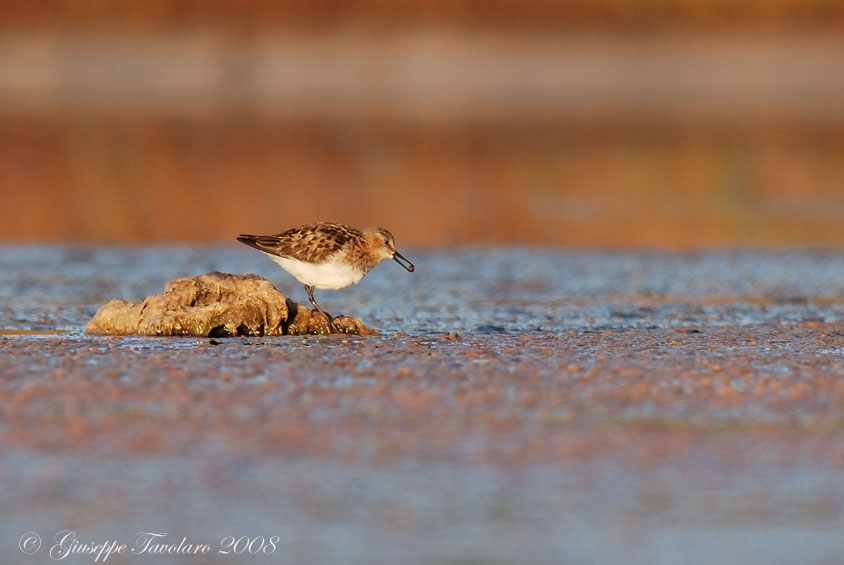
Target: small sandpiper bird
{"points": [[328, 256]]}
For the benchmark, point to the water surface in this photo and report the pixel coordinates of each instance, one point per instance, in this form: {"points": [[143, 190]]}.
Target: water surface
{"points": [[593, 407]]}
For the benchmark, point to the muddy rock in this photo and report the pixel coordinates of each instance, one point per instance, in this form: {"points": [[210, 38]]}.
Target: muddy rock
{"points": [[217, 305]]}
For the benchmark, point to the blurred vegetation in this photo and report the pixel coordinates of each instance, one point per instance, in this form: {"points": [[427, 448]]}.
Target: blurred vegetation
{"points": [[535, 161], [610, 16]]}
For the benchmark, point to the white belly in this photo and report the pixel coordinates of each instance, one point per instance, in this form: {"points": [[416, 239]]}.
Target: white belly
{"points": [[330, 275]]}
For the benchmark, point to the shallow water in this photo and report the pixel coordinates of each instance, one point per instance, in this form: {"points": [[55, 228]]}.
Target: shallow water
{"points": [[470, 290], [596, 407]]}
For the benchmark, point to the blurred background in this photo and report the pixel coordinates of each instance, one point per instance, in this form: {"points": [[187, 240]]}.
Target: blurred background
{"points": [[619, 124]]}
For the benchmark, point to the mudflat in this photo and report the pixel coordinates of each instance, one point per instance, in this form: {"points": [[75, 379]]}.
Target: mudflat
{"points": [[521, 405]]}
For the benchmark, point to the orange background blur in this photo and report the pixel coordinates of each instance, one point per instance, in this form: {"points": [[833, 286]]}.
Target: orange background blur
{"points": [[664, 124]]}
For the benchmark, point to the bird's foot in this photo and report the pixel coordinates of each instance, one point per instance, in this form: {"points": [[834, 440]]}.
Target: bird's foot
{"points": [[330, 326]]}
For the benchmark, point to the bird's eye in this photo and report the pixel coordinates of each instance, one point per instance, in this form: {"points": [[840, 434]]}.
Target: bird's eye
{"points": [[386, 242]]}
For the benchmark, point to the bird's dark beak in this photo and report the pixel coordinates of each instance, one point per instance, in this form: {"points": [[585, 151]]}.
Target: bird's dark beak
{"points": [[398, 258]]}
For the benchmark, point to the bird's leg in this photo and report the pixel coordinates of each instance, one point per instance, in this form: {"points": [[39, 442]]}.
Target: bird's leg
{"points": [[331, 327]]}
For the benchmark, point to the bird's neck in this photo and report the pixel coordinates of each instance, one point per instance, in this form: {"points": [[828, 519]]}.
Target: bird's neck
{"points": [[367, 260]]}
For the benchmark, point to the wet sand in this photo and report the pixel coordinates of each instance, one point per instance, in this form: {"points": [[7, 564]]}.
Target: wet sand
{"points": [[523, 406]]}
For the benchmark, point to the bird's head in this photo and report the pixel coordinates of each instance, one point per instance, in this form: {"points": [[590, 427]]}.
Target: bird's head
{"points": [[383, 246]]}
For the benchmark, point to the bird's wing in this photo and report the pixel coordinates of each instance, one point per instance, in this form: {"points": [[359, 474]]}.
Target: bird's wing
{"points": [[311, 243]]}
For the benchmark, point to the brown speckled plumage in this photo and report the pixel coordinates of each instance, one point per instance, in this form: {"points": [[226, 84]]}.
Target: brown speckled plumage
{"points": [[317, 242]]}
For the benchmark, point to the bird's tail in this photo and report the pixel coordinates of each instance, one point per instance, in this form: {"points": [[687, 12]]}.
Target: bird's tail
{"points": [[265, 243], [250, 240]]}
